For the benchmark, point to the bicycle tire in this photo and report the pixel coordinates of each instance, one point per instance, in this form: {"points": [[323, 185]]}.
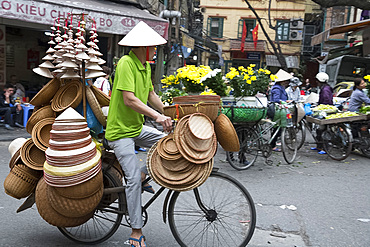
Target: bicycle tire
{"points": [[365, 152], [289, 144], [249, 146], [337, 141], [301, 133], [103, 223], [229, 220]]}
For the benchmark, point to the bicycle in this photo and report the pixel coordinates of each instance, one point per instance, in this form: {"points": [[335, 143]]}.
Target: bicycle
{"points": [[204, 216], [255, 138]]}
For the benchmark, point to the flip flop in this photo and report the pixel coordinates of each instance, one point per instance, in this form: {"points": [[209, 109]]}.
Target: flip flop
{"points": [[314, 149], [137, 240], [148, 188], [141, 149], [322, 152], [276, 149], [136, 152]]}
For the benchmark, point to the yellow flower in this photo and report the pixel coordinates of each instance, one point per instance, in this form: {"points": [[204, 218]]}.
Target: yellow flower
{"points": [[273, 77], [367, 77], [249, 81], [254, 78]]}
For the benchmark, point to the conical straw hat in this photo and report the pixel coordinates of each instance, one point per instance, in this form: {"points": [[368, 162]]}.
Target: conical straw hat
{"points": [[142, 35], [70, 114], [226, 134], [43, 72], [94, 73], [15, 145], [282, 75], [70, 74]]}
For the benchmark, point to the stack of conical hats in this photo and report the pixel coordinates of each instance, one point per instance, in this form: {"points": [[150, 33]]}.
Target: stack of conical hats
{"points": [[184, 160], [72, 186]]}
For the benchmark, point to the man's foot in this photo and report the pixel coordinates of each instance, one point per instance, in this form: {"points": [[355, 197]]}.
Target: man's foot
{"points": [[141, 149], [140, 242], [148, 188], [18, 125], [276, 149], [8, 127]]}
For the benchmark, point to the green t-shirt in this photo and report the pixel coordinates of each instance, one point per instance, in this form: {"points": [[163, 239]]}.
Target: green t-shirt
{"points": [[123, 122]]}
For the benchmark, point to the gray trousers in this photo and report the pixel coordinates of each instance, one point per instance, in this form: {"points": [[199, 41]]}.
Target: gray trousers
{"points": [[124, 150]]}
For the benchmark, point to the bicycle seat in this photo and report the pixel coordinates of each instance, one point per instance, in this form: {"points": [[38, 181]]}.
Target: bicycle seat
{"points": [[106, 145]]}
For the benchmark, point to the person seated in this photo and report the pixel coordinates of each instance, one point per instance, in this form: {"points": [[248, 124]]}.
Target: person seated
{"points": [[9, 107], [293, 91], [20, 91], [357, 99]]}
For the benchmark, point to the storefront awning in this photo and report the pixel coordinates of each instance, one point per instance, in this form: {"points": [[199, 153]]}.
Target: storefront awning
{"points": [[324, 36], [291, 61], [110, 17]]}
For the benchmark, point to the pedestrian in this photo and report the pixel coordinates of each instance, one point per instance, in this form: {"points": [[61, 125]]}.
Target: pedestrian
{"points": [[326, 92], [132, 90], [102, 82], [293, 91], [278, 95], [8, 106]]}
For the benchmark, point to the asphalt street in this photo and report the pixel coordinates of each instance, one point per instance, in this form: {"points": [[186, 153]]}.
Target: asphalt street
{"points": [[314, 202]]}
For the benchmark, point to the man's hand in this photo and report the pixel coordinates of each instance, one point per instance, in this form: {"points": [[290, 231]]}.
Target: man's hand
{"points": [[165, 122]]}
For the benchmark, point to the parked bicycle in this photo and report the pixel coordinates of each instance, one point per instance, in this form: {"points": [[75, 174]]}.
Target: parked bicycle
{"points": [[256, 137], [220, 212]]}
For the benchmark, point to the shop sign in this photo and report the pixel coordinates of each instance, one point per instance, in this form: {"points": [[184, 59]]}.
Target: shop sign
{"points": [[47, 13], [254, 55], [188, 41]]}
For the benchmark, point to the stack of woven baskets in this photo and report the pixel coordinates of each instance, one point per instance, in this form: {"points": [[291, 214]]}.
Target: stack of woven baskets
{"points": [[72, 185]]}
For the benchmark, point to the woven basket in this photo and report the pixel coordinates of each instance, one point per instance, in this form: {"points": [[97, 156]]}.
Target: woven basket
{"points": [[100, 96], [19, 183], [41, 133], [46, 93], [178, 111], [51, 216], [238, 114], [226, 134], [37, 115], [95, 107], [82, 190], [193, 99], [74, 207], [70, 95]]}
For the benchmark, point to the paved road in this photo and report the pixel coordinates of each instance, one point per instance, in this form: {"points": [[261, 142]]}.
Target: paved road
{"points": [[314, 202]]}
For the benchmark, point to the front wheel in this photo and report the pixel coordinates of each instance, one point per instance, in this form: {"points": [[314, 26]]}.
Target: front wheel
{"points": [[289, 144], [218, 213], [337, 141]]}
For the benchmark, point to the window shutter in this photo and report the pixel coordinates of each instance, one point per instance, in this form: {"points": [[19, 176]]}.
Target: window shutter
{"points": [[221, 27], [240, 28], [209, 26]]}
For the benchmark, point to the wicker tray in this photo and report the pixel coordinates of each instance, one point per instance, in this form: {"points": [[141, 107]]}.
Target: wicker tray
{"points": [[336, 120], [239, 114]]}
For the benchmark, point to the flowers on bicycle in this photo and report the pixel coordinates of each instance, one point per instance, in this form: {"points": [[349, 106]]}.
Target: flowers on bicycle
{"points": [[249, 81]]}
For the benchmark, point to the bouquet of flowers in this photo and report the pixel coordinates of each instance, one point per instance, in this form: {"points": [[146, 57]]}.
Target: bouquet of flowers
{"points": [[249, 81], [191, 75], [215, 82]]}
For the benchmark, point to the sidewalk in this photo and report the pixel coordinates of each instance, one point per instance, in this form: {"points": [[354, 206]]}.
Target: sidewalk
{"points": [[10, 135]]}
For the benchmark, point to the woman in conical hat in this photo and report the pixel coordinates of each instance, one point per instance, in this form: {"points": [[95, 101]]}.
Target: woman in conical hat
{"points": [[132, 90]]}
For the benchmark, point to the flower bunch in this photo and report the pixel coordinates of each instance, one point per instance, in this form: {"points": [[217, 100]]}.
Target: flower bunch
{"points": [[171, 81], [167, 96], [249, 81], [191, 76], [215, 82]]}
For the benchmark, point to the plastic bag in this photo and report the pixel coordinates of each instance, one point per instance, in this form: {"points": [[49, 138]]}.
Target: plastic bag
{"points": [[307, 109]]}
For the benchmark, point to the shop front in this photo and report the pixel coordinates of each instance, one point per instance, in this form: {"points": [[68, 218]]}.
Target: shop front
{"points": [[25, 23]]}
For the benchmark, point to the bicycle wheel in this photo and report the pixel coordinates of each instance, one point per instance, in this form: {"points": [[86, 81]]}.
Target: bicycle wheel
{"points": [[289, 144], [337, 141], [247, 155], [223, 215], [106, 219], [301, 133]]}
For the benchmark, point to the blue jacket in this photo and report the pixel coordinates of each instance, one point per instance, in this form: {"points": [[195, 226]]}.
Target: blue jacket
{"points": [[278, 93]]}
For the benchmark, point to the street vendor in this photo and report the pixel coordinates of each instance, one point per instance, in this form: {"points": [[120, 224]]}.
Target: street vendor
{"points": [[132, 90], [326, 92], [358, 97]]}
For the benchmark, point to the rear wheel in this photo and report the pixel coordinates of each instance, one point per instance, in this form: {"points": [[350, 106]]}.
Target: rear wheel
{"points": [[289, 144], [337, 141], [106, 219], [220, 212], [247, 155]]}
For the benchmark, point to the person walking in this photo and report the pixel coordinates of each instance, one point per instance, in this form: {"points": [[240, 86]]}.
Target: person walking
{"points": [[132, 90]]}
